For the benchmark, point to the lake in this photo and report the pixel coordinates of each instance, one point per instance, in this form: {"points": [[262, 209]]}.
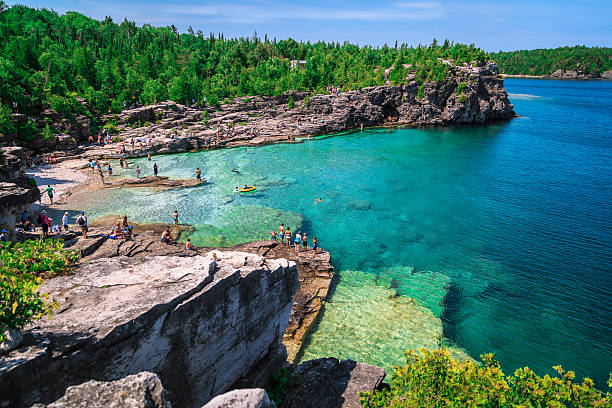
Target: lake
{"points": [[485, 239]]}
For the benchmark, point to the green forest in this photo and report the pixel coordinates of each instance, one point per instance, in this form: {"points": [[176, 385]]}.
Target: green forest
{"points": [[52, 60], [547, 61]]}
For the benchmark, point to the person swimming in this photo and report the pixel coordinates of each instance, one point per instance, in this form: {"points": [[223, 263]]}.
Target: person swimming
{"points": [[236, 190], [318, 200], [235, 171]]}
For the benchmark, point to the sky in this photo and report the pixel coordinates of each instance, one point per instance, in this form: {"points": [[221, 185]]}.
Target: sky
{"points": [[491, 25]]}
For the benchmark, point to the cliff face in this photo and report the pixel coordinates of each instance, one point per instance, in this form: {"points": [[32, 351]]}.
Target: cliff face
{"points": [[470, 95], [197, 322], [17, 191]]}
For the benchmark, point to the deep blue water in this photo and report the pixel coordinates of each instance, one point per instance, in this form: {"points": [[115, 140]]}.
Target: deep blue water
{"points": [[513, 221]]}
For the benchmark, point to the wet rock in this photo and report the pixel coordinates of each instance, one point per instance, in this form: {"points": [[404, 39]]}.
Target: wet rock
{"points": [[246, 398], [142, 390], [330, 383]]}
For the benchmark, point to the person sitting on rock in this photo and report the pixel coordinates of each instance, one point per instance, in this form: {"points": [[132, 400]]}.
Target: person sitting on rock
{"points": [[166, 237], [4, 236], [189, 245]]}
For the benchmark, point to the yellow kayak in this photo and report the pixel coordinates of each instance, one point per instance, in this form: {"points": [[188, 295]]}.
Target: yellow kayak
{"points": [[246, 189]]}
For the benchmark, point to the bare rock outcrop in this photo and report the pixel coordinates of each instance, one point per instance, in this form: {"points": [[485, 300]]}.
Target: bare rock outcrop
{"points": [[17, 191], [245, 398], [142, 390], [330, 383], [198, 322]]}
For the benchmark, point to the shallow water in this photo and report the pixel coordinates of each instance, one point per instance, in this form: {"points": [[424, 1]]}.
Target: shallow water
{"points": [[500, 232]]}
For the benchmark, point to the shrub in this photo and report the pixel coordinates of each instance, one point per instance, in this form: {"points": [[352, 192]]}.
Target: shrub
{"points": [[281, 381], [47, 133], [205, 118], [291, 103], [22, 267], [116, 139], [437, 380], [110, 127], [420, 91], [307, 101], [462, 98], [461, 87]]}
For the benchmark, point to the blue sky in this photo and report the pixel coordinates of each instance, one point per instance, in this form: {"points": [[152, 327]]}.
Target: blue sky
{"points": [[492, 25]]}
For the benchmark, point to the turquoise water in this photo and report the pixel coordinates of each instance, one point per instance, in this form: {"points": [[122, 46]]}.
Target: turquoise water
{"points": [[488, 239]]}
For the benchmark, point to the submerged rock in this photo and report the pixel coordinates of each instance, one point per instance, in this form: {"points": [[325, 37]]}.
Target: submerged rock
{"points": [[142, 390]]}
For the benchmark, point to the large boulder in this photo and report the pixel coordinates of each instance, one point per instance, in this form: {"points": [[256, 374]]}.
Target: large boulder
{"points": [[330, 383], [246, 398], [142, 390], [198, 322]]}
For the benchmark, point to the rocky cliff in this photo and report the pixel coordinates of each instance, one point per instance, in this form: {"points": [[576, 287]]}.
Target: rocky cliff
{"points": [[471, 94], [198, 322], [17, 191]]}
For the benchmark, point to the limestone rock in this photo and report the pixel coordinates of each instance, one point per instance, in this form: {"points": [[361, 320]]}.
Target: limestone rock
{"points": [[607, 75], [142, 390], [12, 340], [200, 323], [330, 383], [246, 398]]}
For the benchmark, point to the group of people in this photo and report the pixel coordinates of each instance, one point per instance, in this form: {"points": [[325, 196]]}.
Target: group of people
{"points": [[123, 230], [331, 89], [46, 223], [285, 237]]}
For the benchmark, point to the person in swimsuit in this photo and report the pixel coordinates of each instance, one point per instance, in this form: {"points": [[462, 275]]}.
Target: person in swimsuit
{"points": [[318, 200], [175, 217], [314, 244], [305, 241], [288, 237], [166, 236], [198, 174], [281, 231], [137, 172], [189, 245], [110, 170], [297, 241], [273, 235], [154, 168]]}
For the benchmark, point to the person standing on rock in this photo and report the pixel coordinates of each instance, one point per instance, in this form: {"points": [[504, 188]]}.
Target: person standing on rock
{"points": [[50, 191], [314, 244], [176, 221], [297, 242], [288, 237], [305, 241], [137, 172], [198, 174], [281, 232], [110, 170], [45, 223], [155, 168], [82, 222], [65, 221]]}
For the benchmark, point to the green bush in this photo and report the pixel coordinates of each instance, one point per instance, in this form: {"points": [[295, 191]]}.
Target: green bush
{"points": [[111, 127], [22, 268], [47, 133], [462, 98], [307, 101], [461, 87], [205, 118], [420, 91], [291, 103], [437, 380], [281, 381]]}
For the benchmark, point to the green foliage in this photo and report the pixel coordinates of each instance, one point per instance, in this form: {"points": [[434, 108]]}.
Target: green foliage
{"points": [[116, 139], [6, 122], [205, 118], [461, 87], [281, 381], [48, 59], [420, 91], [547, 61], [307, 101], [111, 127], [47, 133], [291, 103], [22, 267], [437, 380], [462, 98]]}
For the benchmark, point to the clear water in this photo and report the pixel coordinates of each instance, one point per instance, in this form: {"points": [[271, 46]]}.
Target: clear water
{"points": [[489, 239]]}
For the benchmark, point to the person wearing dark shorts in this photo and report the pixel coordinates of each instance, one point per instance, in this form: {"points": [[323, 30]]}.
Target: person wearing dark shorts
{"points": [[314, 244], [305, 241]]}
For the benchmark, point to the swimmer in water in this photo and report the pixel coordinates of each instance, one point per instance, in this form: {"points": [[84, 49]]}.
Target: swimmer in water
{"points": [[236, 190], [318, 200], [235, 171]]}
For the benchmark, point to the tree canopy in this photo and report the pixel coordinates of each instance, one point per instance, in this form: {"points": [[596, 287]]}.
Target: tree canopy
{"points": [[51, 60], [547, 61]]}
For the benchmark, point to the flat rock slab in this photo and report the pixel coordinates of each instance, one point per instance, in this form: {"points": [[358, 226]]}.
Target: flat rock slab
{"points": [[199, 322], [330, 383], [152, 181], [246, 398], [143, 390]]}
